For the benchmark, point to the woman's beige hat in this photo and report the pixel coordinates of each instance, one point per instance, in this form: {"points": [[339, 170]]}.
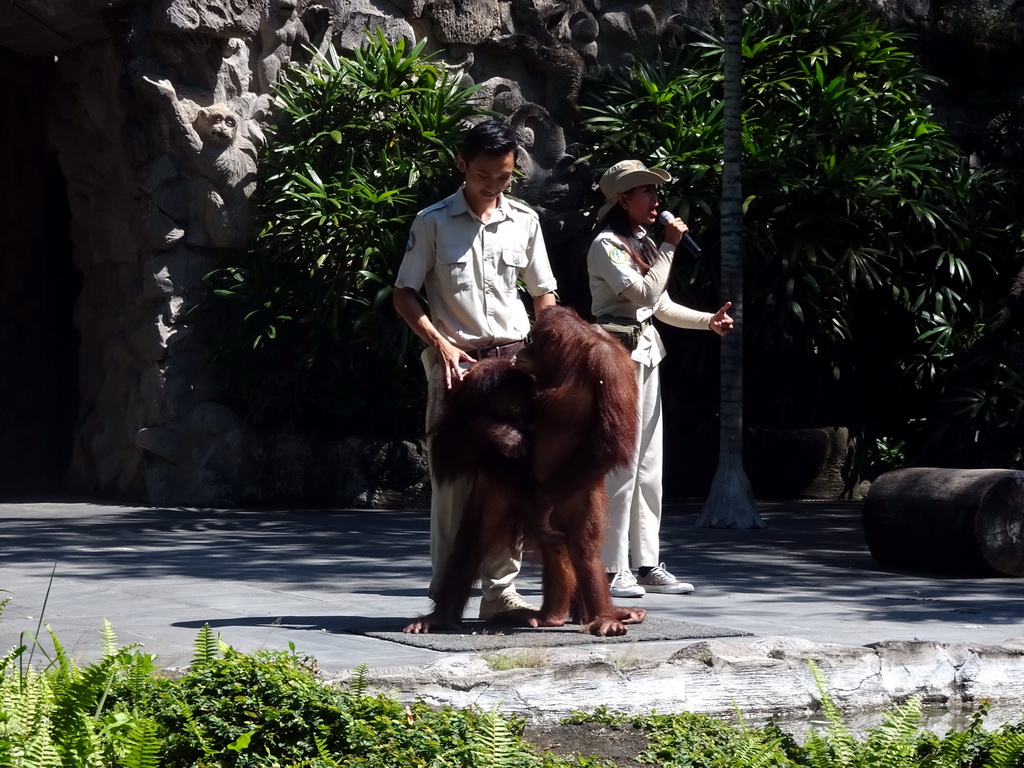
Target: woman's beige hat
{"points": [[624, 176]]}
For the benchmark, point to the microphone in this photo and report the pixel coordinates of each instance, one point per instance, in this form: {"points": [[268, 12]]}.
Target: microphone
{"points": [[691, 245]]}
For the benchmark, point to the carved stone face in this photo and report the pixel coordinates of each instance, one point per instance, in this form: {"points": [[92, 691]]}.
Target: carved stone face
{"points": [[218, 124]]}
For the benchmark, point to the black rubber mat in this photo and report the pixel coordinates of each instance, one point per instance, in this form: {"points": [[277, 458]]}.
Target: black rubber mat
{"points": [[479, 636]]}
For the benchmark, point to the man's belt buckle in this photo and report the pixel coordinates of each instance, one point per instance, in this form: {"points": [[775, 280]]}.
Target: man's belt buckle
{"points": [[498, 350]]}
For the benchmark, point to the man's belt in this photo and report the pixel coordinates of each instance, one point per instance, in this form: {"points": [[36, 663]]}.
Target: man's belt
{"points": [[498, 350]]}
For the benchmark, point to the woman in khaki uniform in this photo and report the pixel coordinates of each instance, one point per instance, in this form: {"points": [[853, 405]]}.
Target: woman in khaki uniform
{"points": [[628, 278]]}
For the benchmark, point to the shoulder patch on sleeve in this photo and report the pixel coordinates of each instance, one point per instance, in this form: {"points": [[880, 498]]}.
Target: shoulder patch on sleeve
{"points": [[411, 242], [618, 255]]}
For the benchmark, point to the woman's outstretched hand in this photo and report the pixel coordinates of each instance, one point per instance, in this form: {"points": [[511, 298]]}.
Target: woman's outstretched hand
{"points": [[720, 322]]}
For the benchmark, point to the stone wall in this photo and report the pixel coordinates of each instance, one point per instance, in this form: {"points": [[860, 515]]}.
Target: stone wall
{"points": [[159, 130]]}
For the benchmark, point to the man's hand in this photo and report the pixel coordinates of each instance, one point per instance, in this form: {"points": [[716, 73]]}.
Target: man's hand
{"points": [[451, 357], [407, 304]]}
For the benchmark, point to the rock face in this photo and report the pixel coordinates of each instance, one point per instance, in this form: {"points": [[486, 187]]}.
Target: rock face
{"points": [[157, 119], [768, 679], [159, 129]]}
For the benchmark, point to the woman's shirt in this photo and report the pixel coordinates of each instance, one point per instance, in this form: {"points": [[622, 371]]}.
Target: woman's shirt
{"points": [[612, 270]]}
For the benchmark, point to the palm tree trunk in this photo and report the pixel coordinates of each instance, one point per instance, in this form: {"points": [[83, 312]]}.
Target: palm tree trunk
{"points": [[730, 502]]}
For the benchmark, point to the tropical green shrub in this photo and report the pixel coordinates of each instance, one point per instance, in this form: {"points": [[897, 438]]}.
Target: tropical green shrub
{"points": [[62, 716], [303, 332], [268, 709], [976, 24], [875, 254], [696, 740]]}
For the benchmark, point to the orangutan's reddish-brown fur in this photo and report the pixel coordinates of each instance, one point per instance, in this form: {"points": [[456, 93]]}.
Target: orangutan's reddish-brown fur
{"points": [[537, 436]]}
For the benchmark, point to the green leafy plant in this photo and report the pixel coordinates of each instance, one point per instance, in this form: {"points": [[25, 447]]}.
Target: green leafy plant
{"points": [[874, 253], [233, 709], [63, 716], [303, 335], [494, 743], [959, 19], [885, 455]]}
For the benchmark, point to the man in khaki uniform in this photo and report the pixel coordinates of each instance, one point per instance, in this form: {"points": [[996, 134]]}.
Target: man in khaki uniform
{"points": [[468, 251]]}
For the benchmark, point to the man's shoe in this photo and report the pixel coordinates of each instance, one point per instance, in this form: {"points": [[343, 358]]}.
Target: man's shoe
{"points": [[660, 580], [624, 585], [509, 600]]}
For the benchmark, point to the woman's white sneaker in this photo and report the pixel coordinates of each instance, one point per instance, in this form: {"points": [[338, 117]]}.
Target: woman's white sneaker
{"points": [[660, 580], [624, 585]]}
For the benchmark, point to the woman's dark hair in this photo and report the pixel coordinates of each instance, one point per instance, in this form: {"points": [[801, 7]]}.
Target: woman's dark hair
{"points": [[643, 251], [491, 137]]}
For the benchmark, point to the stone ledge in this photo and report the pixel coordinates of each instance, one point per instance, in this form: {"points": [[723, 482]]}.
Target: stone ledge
{"points": [[769, 677]]}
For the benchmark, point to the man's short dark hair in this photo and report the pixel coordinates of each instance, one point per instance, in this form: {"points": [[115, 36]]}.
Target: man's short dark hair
{"points": [[491, 137]]}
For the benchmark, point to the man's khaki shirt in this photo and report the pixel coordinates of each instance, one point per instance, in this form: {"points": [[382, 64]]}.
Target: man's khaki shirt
{"points": [[469, 269]]}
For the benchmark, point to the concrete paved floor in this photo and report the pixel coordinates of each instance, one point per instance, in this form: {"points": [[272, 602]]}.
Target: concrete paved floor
{"points": [[267, 578]]}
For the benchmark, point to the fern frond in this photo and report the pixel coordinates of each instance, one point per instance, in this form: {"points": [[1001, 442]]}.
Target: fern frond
{"points": [[358, 684], [757, 748], [40, 752], [84, 693], [837, 746], [959, 748], [64, 669], [324, 754], [893, 743], [206, 648], [27, 703], [8, 659], [109, 638], [79, 744], [143, 746], [493, 745], [1007, 750], [78, 693], [140, 672]]}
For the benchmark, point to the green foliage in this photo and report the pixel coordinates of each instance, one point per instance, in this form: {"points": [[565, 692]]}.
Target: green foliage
{"points": [[1008, 750], [235, 708], [874, 253], [269, 709], [358, 685], [207, 647], [63, 717], [704, 742], [891, 745], [689, 740], [493, 743], [303, 332], [885, 455], [959, 748], [976, 23]]}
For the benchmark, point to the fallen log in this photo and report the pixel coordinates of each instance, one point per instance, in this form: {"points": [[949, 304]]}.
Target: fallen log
{"points": [[954, 521]]}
